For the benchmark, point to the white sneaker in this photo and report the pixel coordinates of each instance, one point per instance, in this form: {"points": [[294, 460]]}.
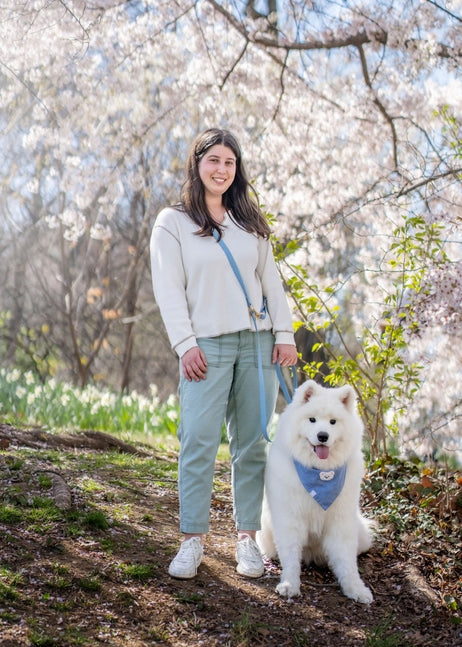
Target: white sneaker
{"points": [[185, 564], [249, 559]]}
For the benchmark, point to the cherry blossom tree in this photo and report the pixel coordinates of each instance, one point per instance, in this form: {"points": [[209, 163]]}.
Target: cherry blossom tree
{"points": [[349, 118]]}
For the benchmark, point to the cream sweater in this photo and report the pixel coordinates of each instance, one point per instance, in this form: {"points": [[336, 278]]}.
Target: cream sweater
{"points": [[197, 291]]}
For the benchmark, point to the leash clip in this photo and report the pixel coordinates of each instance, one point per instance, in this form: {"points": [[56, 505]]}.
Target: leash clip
{"points": [[258, 314]]}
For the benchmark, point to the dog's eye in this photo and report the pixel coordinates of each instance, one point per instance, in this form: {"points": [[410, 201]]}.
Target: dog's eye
{"points": [[333, 421], [312, 419]]}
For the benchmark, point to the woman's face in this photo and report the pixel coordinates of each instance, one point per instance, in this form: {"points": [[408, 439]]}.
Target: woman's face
{"points": [[217, 170]]}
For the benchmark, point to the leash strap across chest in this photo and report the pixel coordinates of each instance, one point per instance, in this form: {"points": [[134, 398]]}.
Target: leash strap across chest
{"points": [[257, 314]]}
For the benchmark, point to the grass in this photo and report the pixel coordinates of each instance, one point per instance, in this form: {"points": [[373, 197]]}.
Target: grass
{"points": [[380, 635], [117, 536], [98, 531], [196, 599], [95, 520], [248, 631], [140, 572], [9, 513], [115, 553], [91, 584]]}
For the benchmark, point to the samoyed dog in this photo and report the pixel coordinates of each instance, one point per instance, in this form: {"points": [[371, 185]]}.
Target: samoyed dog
{"points": [[312, 488]]}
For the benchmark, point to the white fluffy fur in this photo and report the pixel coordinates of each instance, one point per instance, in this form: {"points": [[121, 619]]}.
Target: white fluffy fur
{"points": [[294, 526]]}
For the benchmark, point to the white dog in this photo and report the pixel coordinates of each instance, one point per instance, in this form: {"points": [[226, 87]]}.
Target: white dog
{"points": [[312, 488]]}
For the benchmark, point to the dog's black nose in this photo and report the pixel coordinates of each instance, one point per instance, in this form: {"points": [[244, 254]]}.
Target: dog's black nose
{"points": [[323, 437]]}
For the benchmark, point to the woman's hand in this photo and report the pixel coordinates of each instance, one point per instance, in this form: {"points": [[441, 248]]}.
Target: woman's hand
{"points": [[194, 364], [285, 354]]}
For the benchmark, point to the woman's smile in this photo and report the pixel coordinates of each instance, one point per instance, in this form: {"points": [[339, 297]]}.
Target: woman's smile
{"points": [[217, 169]]}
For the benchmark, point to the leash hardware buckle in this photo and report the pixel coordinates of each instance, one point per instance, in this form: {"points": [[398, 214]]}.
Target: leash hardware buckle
{"points": [[257, 313]]}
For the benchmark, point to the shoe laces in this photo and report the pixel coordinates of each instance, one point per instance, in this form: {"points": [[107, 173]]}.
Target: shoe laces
{"points": [[189, 548], [248, 550]]}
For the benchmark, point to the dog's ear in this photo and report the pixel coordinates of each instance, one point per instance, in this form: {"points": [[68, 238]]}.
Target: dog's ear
{"points": [[347, 396], [307, 390]]}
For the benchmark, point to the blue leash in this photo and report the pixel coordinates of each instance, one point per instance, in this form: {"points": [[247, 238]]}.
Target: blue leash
{"points": [[282, 382], [255, 314]]}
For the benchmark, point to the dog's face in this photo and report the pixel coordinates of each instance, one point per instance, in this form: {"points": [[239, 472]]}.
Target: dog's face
{"points": [[324, 425]]}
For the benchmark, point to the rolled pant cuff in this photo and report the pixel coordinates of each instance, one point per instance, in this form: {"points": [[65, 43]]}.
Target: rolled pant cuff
{"points": [[193, 530]]}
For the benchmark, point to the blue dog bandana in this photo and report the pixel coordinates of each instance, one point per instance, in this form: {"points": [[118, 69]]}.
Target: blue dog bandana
{"points": [[323, 485]]}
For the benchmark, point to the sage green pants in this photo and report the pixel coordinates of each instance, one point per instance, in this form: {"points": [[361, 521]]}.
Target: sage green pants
{"points": [[229, 393]]}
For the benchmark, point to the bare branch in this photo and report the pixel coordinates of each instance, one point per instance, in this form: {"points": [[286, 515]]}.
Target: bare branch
{"points": [[31, 90], [438, 6], [360, 38], [78, 21], [380, 105], [281, 94], [357, 39], [427, 180], [234, 65]]}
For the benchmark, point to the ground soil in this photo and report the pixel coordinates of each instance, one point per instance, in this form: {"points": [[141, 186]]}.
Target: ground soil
{"points": [[54, 603]]}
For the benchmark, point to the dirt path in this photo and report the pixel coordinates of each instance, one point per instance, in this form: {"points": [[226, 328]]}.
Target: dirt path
{"points": [[65, 581]]}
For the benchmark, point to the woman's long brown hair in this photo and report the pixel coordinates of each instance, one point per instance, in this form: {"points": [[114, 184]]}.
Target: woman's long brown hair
{"points": [[240, 200]]}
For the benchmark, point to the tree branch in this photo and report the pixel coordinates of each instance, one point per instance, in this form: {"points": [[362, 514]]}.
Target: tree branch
{"points": [[357, 39], [427, 180], [380, 105], [234, 65], [31, 90], [438, 6]]}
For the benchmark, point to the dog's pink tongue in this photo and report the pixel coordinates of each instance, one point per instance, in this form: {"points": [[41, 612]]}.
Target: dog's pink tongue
{"points": [[321, 451]]}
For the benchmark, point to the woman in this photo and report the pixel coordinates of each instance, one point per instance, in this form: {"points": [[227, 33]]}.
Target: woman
{"points": [[210, 328]]}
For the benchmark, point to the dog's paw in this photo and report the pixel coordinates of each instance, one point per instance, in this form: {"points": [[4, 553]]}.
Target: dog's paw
{"points": [[287, 589], [360, 594]]}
